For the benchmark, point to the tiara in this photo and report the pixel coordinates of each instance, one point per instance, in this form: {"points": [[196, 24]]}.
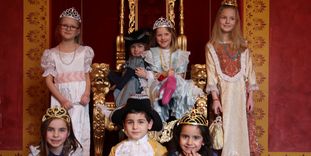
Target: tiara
{"points": [[230, 3], [56, 112], [195, 117], [162, 23], [71, 13]]}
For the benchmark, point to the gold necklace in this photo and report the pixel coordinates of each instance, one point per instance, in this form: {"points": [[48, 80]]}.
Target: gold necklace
{"points": [[163, 65], [61, 59]]}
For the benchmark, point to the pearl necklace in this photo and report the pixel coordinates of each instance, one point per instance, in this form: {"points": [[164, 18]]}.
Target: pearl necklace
{"points": [[61, 59], [162, 60]]}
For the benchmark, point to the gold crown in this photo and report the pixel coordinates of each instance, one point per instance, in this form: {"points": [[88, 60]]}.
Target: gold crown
{"points": [[56, 112], [230, 3], [71, 13], [195, 117], [162, 23]]}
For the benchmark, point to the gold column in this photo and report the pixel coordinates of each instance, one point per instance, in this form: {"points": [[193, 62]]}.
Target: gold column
{"points": [[120, 55], [182, 39]]}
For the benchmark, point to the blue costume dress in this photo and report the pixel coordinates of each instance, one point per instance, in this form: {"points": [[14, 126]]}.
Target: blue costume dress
{"points": [[186, 92]]}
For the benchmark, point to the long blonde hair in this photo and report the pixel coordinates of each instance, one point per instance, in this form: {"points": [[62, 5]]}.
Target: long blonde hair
{"points": [[238, 41]]}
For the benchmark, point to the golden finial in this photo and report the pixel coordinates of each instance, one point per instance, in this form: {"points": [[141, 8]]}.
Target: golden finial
{"points": [[56, 112], [230, 3]]}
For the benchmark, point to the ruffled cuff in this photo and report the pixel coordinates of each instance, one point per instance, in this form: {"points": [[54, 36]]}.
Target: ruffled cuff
{"points": [[252, 87], [210, 88]]}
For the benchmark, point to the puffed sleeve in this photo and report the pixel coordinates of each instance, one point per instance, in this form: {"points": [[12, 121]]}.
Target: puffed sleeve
{"points": [[212, 80], [34, 150], [250, 73], [182, 61], [89, 55], [48, 63]]}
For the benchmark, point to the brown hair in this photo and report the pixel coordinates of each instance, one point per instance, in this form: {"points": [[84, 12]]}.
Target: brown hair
{"points": [[238, 41], [70, 145]]}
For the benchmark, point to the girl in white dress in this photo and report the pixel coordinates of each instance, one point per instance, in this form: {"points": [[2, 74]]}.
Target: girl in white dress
{"points": [[231, 79], [66, 69]]}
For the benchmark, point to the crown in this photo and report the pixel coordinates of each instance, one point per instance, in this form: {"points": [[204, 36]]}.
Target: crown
{"points": [[162, 23], [195, 117], [71, 13], [230, 3], [56, 112]]}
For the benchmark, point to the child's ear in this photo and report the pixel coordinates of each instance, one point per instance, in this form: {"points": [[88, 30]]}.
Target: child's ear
{"points": [[150, 124]]}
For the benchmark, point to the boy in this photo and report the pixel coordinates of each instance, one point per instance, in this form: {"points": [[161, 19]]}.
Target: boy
{"points": [[137, 117]]}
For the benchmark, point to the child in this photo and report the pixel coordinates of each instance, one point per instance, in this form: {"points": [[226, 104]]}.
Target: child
{"points": [[170, 93], [137, 117], [231, 78], [66, 69], [191, 135], [57, 136], [133, 80]]}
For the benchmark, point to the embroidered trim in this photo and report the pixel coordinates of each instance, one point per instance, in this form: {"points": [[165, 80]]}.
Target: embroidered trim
{"points": [[218, 69]]}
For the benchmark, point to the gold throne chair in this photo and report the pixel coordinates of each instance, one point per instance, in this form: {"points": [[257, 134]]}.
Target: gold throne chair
{"points": [[100, 84]]}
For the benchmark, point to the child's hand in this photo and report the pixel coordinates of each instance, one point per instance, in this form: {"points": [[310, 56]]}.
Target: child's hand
{"points": [[193, 153], [171, 72], [217, 107], [141, 72], [249, 105], [85, 99], [66, 104]]}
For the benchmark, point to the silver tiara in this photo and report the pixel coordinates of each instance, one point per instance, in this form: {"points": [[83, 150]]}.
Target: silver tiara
{"points": [[71, 13], [162, 23]]}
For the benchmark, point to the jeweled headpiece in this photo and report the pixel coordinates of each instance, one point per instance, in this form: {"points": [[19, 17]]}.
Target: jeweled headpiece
{"points": [[162, 23], [195, 117], [56, 112], [71, 13], [230, 3]]}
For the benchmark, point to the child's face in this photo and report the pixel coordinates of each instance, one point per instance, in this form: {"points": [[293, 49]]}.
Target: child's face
{"points": [[227, 20], [136, 125], [190, 139], [163, 38], [69, 28], [56, 134], [137, 49]]}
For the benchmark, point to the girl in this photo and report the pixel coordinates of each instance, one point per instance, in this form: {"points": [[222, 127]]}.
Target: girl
{"points": [[66, 69], [137, 117], [169, 64], [231, 78], [191, 136], [57, 138]]}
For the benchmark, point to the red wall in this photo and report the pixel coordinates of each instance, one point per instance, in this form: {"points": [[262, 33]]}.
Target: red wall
{"points": [[290, 75], [11, 57]]}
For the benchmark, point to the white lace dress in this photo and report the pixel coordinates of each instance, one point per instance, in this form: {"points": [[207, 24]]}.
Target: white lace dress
{"points": [[68, 70]]}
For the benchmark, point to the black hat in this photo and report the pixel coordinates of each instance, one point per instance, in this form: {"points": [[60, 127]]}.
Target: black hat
{"points": [[137, 104], [139, 36]]}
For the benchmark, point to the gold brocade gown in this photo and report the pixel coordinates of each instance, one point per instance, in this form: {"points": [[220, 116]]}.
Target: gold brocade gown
{"points": [[231, 75]]}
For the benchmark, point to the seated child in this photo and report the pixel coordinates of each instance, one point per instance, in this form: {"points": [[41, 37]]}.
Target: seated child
{"points": [[133, 79], [191, 136], [57, 138], [137, 117]]}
